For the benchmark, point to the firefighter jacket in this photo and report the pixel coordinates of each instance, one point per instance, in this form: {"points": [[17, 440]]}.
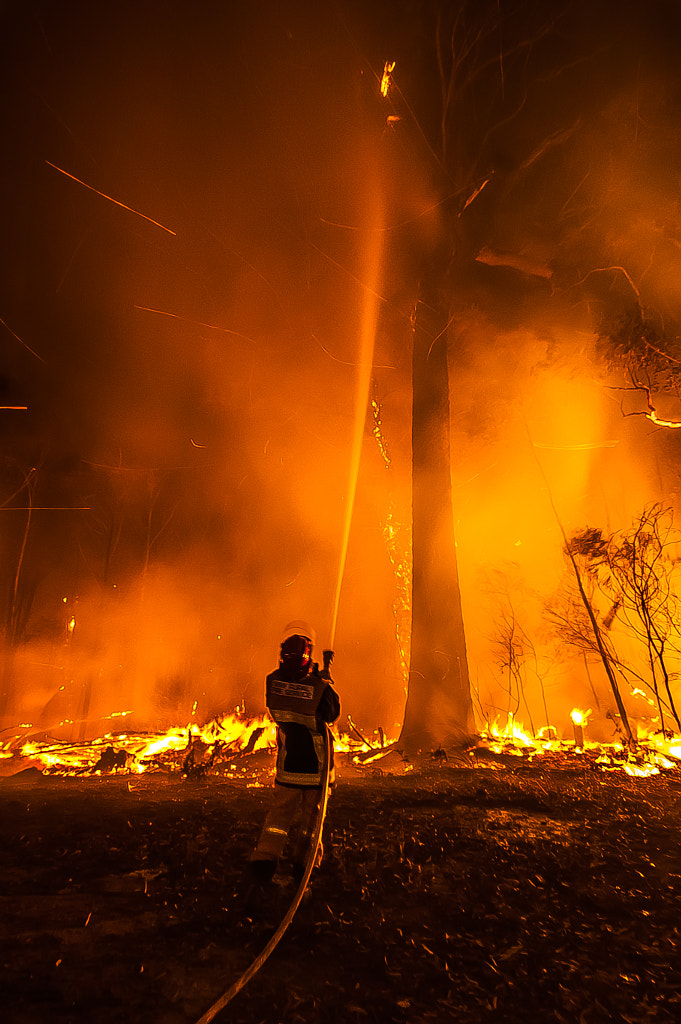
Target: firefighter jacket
{"points": [[301, 708]]}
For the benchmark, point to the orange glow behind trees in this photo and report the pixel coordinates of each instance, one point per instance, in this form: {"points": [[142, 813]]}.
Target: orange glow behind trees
{"points": [[189, 465]]}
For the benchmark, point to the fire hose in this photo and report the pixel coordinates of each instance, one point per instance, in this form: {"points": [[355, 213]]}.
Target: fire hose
{"points": [[288, 916]]}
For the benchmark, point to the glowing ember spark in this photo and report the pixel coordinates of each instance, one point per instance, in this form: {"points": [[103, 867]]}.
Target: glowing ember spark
{"points": [[398, 545], [388, 69], [378, 429], [28, 349], [474, 195], [654, 418], [651, 414], [111, 199], [199, 323]]}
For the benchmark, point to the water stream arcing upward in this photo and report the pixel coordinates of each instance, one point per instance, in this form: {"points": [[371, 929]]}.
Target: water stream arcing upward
{"points": [[373, 250]]}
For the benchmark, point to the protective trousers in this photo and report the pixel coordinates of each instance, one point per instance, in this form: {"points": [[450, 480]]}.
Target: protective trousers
{"points": [[291, 806]]}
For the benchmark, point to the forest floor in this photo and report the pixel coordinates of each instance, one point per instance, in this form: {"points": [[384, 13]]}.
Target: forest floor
{"points": [[486, 893]]}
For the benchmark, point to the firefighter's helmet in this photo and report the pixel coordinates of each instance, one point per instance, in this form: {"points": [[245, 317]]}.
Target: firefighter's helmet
{"points": [[296, 647], [299, 628]]}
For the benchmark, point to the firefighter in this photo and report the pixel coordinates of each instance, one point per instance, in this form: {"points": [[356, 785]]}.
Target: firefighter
{"points": [[302, 701]]}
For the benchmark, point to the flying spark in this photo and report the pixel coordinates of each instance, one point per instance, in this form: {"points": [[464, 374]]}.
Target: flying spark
{"points": [[28, 348], [110, 198], [474, 195], [198, 323]]}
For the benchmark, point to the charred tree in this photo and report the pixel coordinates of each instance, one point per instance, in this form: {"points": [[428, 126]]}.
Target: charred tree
{"points": [[496, 99], [439, 709]]}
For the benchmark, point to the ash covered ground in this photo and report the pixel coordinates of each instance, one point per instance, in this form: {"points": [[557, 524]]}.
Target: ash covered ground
{"points": [[448, 893]]}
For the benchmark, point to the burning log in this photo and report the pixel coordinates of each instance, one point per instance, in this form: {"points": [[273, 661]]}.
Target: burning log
{"points": [[361, 737], [202, 756], [112, 759], [198, 759], [252, 740], [579, 720]]}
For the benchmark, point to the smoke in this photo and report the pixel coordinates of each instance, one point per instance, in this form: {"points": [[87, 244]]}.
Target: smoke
{"points": [[190, 405], [178, 483]]}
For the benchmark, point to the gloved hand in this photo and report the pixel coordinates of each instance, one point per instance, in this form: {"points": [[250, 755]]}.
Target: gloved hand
{"points": [[328, 658]]}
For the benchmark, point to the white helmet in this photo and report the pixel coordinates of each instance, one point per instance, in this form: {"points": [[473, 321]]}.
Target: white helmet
{"points": [[299, 628]]}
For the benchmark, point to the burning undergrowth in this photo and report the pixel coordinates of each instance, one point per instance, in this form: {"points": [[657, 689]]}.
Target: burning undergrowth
{"points": [[238, 747]]}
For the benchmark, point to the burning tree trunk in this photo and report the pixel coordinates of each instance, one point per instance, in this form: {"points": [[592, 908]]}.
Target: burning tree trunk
{"points": [[484, 124], [439, 707]]}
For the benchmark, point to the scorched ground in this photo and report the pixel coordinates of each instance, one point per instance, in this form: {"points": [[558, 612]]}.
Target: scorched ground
{"points": [[448, 893]]}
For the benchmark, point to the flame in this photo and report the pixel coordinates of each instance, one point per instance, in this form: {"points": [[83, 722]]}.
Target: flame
{"points": [[378, 430], [580, 717], [653, 754], [513, 732], [140, 752], [229, 746], [223, 744], [397, 537], [388, 69]]}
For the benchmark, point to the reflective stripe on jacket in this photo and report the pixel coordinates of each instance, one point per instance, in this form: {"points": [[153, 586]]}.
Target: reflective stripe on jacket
{"points": [[295, 701], [301, 737]]}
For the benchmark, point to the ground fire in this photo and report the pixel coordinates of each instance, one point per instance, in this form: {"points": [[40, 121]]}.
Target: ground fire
{"points": [[223, 748]]}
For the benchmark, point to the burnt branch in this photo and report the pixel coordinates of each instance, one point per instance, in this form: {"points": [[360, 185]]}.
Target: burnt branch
{"points": [[650, 412]]}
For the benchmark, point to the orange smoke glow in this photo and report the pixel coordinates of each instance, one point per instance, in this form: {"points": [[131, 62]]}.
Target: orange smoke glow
{"points": [[233, 398]]}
